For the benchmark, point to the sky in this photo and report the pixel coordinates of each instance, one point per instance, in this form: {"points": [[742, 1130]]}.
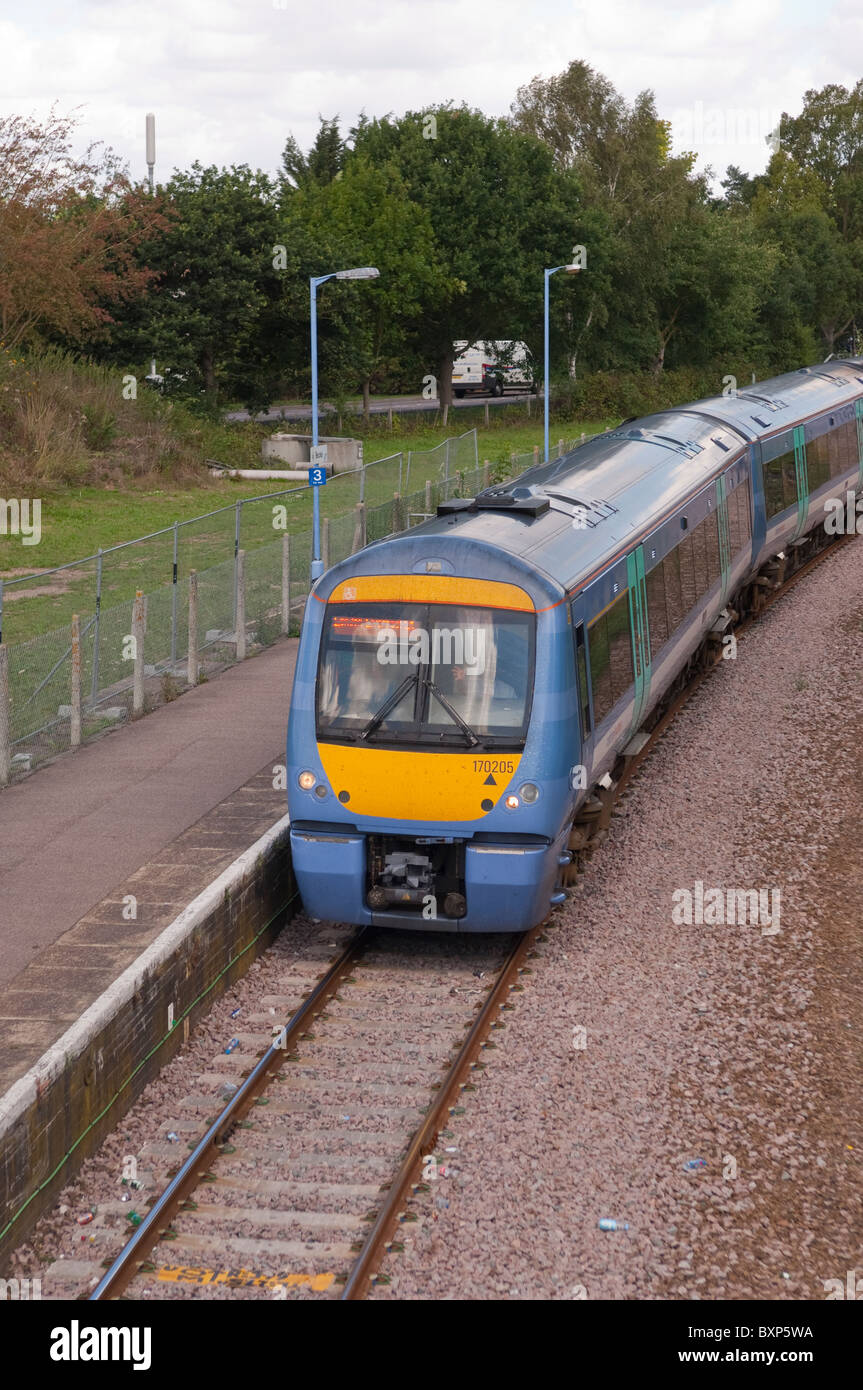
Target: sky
{"points": [[229, 79]]}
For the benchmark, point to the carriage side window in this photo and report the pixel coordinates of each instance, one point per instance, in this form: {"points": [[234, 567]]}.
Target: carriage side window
{"points": [[611, 670], [817, 462], [581, 670], [835, 452], [780, 484], [739, 529], [687, 574], [657, 613], [699, 560], [673, 591], [850, 454], [710, 524]]}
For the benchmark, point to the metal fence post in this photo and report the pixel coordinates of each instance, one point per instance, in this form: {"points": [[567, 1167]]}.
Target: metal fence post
{"points": [[446, 463], [459, 482], [94, 683], [486, 472], [237, 515], [407, 476], [325, 542], [401, 462], [174, 603], [397, 512], [75, 719], [192, 654], [428, 497], [560, 448], [363, 483], [138, 634], [536, 453], [5, 750], [240, 632], [286, 583]]}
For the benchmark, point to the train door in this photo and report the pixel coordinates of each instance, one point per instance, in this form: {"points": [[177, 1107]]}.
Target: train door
{"points": [[724, 535], [584, 693], [637, 585], [802, 479]]}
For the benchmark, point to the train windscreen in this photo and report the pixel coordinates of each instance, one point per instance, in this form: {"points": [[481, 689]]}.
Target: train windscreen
{"points": [[445, 675]]}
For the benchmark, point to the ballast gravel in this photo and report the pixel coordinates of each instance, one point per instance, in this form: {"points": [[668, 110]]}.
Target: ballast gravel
{"points": [[698, 1084]]}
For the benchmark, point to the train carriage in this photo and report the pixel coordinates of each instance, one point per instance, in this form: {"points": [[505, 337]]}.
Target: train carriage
{"points": [[467, 692]]}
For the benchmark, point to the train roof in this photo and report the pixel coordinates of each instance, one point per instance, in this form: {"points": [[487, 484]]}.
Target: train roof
{"points": [[617, 482]]}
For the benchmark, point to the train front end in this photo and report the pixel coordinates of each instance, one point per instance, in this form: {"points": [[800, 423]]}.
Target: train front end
{"points": [[428, 743]]}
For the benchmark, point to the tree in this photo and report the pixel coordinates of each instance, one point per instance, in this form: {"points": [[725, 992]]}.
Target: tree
{"points": [[212, 315], [370, 220], [70, 228], [322, 164], [498, 214]]}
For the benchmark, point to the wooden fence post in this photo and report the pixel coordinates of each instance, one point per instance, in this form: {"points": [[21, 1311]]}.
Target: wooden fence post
{"points": [[359, 527]]}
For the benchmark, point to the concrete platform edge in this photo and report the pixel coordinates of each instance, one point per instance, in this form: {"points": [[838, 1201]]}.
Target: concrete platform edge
{"points": [[60, 1110]]}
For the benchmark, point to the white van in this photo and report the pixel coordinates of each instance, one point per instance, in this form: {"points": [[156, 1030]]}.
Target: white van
{"points": [[492, 367]]}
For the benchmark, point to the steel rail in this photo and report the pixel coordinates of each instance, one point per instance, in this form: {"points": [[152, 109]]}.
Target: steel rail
{"points": [[375, 1244], [158, 1218]]}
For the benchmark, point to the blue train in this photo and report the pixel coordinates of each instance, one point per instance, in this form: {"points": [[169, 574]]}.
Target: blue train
{"points": [[467, 693]]}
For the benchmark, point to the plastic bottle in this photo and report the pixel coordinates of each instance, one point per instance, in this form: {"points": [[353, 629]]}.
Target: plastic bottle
{"points": [[609, 1224]]}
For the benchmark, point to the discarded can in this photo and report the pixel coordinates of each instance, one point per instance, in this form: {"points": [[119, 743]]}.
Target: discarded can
{"points": [[233, 1045], [125, 1196], [235, 1012], [85, 1218], [228, 1090], [692, 1163], [609, 1224], [173, 1138], [134, 1218]]}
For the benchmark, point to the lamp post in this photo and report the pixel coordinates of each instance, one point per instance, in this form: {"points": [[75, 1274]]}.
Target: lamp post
{"points": [[570, 270], [150, 141], [366, 272]]}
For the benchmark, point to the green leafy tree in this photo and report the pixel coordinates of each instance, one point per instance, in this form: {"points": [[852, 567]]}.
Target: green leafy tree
{"points": [[498, 212]]}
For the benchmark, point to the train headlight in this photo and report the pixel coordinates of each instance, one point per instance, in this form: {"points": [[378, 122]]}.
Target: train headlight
{"points": [[512, 803], [529, 792], [307, 780]]}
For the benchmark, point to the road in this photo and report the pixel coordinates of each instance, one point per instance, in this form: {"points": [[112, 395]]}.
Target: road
{"points": [[399, 405]]}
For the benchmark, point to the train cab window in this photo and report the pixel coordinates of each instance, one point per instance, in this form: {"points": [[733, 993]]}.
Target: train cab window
{"points": [[611, 669]]}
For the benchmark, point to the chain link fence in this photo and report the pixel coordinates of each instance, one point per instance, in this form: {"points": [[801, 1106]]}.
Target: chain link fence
{"points": [[71, 680]]}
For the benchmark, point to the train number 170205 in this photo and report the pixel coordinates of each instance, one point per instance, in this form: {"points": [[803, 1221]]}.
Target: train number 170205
{"points": [[493, 765]]}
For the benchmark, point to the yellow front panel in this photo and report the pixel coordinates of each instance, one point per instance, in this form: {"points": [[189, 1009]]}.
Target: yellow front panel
{"points": [[403, 785], [431, 588]]}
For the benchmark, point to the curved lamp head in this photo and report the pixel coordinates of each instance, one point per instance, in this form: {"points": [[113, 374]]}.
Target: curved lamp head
{"points": [[363, 272]]}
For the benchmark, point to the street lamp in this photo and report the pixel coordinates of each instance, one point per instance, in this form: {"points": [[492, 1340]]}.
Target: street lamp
{"points": [[365, 272], [570, 270]]}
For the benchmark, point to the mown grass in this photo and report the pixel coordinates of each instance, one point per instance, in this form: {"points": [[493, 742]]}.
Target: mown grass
{"points": [[79, 520]]}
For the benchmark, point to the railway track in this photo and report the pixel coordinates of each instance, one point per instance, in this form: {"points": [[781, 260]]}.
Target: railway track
{"points": [[297, 1186]]}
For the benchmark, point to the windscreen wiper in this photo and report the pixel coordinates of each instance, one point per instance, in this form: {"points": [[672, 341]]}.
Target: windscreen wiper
{"points": [[472, 738], [389, 704]]}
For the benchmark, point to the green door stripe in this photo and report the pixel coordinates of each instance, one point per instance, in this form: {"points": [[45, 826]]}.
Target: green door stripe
{"points": [[802, 475]]}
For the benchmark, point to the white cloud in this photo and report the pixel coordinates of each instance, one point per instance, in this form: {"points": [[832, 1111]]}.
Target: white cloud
{"points": [[228, 80]]}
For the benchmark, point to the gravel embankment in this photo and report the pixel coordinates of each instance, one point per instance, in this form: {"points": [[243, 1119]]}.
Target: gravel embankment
{"points": [[720, 1043]]}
